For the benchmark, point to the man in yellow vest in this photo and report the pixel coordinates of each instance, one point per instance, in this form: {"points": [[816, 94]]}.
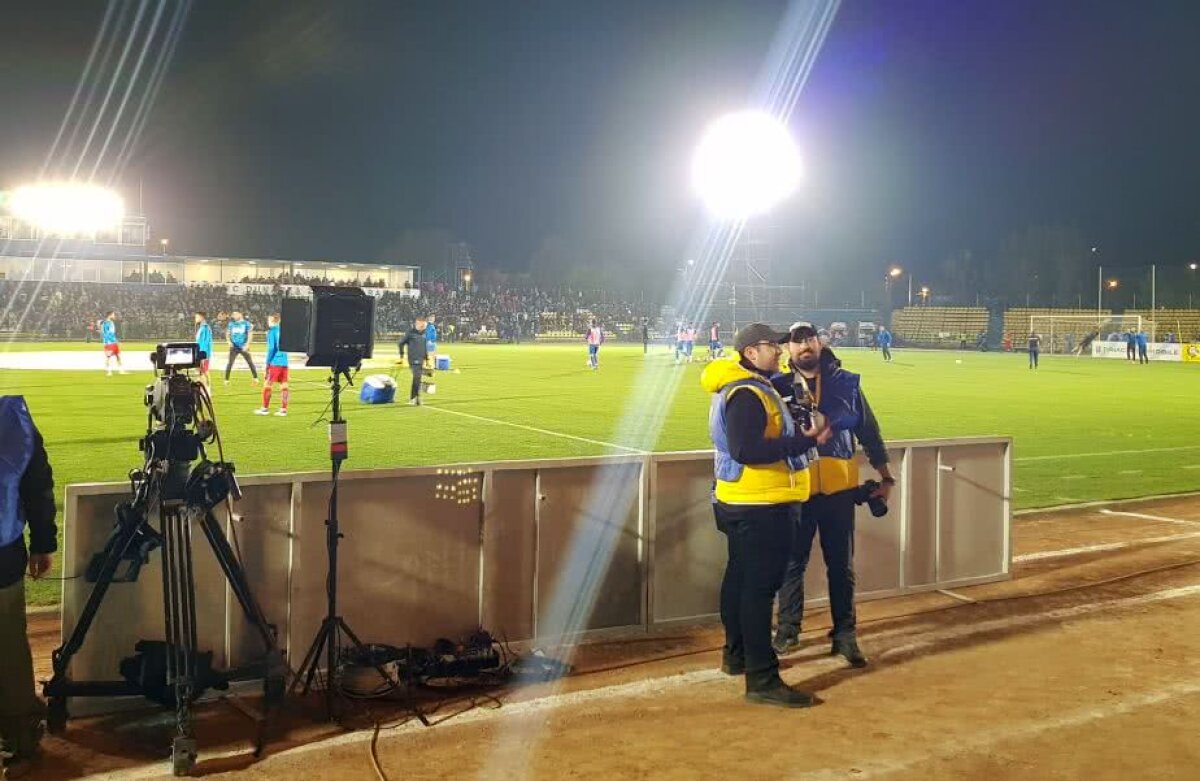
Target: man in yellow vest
{"points": [[761, 480], [818, 375]]}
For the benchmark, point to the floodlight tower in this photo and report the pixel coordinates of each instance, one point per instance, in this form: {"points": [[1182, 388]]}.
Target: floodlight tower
{"points": [[746, 163]]}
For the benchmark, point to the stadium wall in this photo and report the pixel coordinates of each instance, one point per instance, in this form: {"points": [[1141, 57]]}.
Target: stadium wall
{"points": [[438, 551]]}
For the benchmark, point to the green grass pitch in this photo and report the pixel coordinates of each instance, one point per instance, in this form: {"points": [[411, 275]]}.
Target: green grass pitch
{"points": [[1085, 429]]}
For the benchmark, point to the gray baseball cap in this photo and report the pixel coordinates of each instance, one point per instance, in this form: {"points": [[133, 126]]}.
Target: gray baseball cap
{"points": [[756, 333]]}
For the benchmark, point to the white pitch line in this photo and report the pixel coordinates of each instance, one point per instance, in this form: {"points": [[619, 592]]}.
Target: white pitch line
{"points": [[1073, 477], [1146, 517], [958, 745], [1130, 472], [1104, 546], [662, 686], [1190, 466], [545, 431], [1106, 453]]}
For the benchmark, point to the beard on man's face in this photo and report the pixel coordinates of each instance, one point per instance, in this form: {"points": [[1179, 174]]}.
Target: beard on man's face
{"points": [[806, 358]]}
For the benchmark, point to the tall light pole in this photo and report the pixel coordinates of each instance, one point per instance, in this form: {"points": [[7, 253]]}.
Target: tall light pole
{"points": [[1191, 287], [163, 243]]}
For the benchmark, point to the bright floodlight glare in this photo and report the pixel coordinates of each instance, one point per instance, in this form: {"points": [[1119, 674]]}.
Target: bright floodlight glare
{"points": [[68, 208], [896, 271], [745, 164]]}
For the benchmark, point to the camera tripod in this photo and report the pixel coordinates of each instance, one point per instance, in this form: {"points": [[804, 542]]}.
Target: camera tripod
{"points": [[173, 672]]}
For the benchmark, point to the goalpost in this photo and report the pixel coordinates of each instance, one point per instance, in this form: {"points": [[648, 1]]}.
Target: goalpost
{"points": [[1065, 333]]}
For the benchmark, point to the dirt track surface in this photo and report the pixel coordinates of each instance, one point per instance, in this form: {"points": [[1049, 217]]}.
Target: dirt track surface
{"points": [[1082, 666]]}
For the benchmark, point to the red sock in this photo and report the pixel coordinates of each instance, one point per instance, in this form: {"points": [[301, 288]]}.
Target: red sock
{"points": [[266, 396], [283, 395]]}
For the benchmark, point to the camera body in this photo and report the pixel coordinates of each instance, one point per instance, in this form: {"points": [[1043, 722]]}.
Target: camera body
{"points": [[863, 495], [172, 397]]}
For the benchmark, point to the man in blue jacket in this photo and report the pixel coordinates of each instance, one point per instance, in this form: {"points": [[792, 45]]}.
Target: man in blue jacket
{"points": [[1143, 342], [817, 374], [26, 498]]}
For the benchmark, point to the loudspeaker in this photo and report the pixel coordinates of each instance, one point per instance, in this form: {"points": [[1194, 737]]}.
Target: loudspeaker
{"points": [[343, 325], [334, 328], [294, 325]]}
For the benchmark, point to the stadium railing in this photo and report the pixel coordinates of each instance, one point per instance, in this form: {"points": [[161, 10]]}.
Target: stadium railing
{"points": [[438, 551]]}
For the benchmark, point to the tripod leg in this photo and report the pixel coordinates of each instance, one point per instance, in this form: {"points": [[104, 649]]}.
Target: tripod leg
{"points": [[114, 554], [308, 668]]}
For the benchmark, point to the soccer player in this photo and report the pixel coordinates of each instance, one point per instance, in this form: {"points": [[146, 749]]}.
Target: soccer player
{"points": [[680, 339], [885, 343], [431, 340], [689, 341], [1143, 342], [1035, 349], [204, 340], [1130, 345], [238, 334], [595, 338], [112, 346], [277, 371], [714, 341]]}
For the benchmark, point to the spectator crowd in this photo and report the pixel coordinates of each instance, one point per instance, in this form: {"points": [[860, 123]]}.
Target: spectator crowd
{"points": [[71, 309]]}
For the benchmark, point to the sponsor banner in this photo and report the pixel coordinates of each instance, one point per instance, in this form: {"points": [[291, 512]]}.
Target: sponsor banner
{"points": [[1191, 352], [1156, 351], [248, 288]]}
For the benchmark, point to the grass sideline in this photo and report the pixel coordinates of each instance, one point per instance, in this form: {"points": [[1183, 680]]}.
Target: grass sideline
{"points": [[1085, 429]]}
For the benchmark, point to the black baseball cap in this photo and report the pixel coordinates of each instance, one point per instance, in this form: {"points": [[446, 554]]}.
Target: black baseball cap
{"points": [[801, 331], [756, 333]]}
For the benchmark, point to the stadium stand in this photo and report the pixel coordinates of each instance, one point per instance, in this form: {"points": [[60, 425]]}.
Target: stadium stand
{"points": [[164, 311], [1184, 324], [939, 326]]}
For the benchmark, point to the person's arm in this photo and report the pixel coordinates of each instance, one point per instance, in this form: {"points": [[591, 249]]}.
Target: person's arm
{"points": [[272, 346], [745, 423], [37, 500], [871, 439]]}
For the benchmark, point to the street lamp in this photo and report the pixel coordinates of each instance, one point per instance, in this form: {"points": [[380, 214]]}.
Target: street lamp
{"points": [[894, 273], [467, 281], [164, 243], [925, 296]]}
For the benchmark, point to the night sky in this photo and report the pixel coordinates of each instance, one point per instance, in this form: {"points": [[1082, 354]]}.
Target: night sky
{"points": [[309, 129]]}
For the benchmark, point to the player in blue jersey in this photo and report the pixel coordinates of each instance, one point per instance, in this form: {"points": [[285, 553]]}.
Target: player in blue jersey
{"points": [[431, 340], [204, 340], [277, 371], [239, 333], [112, 345]]}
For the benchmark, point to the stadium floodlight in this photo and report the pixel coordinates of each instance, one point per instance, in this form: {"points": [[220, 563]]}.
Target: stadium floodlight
{"points": [[895, 272], [1113, 284], [746, 163], [1192, 266], [67, 208]]}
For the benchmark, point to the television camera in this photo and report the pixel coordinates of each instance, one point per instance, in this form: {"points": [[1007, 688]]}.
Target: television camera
{"points": [[179, 487]]}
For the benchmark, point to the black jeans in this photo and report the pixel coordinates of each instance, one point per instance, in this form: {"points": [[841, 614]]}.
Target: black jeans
{"points": [[758, 538], [833, 517], [234, 352], [418, 371], [887, 353], [1033, 359]]}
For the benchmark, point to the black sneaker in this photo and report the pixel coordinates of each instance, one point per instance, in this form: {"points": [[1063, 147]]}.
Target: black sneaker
{"points": [[786, 641], [781, 695], [848, 647]]}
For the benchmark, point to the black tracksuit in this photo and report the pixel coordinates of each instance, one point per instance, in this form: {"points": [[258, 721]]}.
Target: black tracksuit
{"points": [[414, 343]]}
